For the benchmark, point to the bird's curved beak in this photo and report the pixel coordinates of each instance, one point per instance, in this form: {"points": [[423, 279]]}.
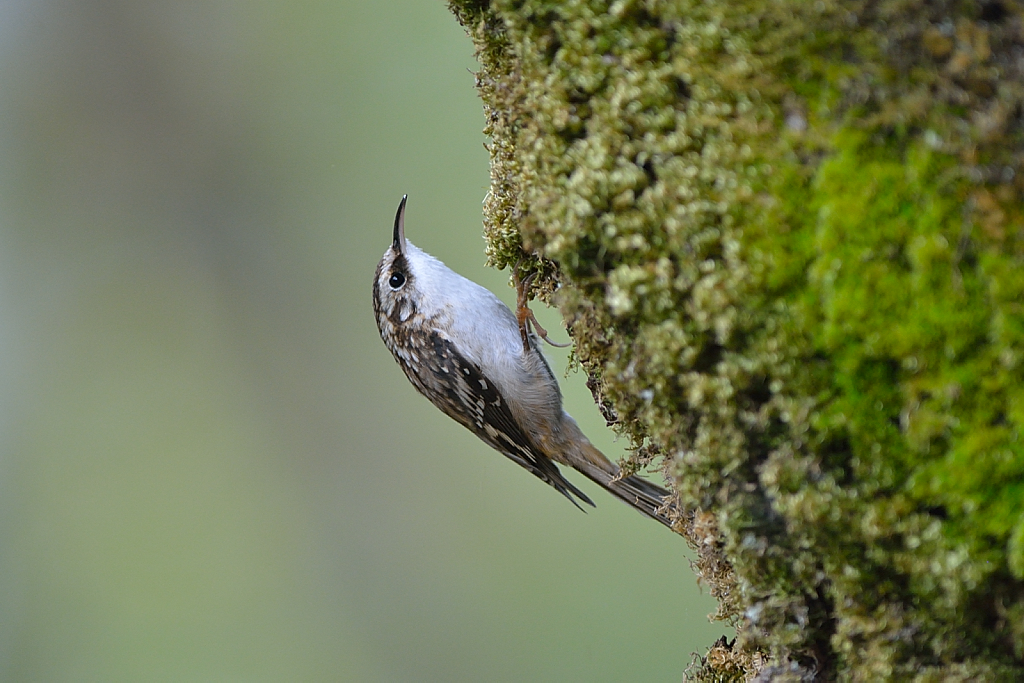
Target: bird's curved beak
{"points": [[398, 241]]}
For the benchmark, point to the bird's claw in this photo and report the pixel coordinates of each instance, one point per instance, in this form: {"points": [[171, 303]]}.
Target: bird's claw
{"points": [[523, 313]]}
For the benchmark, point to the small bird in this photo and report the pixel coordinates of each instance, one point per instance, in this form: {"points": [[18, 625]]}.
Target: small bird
{"points": [[463, 349]]}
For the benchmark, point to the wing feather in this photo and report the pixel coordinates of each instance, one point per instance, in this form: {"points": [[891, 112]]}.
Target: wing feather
{"points": [[457, 386]]}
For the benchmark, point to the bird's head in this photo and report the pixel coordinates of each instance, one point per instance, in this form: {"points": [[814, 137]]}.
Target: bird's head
{"points": [[396, 295]]}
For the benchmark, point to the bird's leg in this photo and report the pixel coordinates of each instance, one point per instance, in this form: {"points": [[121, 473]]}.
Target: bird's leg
{"points": [[523, 313]]}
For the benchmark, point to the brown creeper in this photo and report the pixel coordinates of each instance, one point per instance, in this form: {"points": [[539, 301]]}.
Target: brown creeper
{"points": [[463, 349]]}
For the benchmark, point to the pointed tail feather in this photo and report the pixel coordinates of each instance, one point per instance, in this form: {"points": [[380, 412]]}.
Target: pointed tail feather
{"points": [[646, 497], [584, 457], [640, 494]]}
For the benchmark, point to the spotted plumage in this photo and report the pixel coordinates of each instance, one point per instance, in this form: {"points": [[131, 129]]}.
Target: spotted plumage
{"points": [[463, 349]]}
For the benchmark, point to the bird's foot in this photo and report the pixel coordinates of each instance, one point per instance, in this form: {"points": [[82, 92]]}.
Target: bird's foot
{"points": [[523, 313]]}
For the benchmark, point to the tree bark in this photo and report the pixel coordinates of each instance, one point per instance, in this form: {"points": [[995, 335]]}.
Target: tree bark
{"points": [[787, 238]]}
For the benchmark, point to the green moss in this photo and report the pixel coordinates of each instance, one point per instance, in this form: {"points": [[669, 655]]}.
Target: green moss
{"points": [[787, 239]]}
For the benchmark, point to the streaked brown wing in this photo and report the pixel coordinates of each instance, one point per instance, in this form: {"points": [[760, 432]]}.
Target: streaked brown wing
{"points": [[456, 386]]}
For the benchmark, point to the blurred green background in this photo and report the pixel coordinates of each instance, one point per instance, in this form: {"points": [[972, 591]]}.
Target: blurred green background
{"points": [[210, 467]]}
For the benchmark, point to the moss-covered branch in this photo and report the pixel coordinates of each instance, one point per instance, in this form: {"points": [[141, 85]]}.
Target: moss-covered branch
{"points": [[787, 237]]}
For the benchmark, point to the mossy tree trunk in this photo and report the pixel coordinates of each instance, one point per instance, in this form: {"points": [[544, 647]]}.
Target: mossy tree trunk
{"points": [[787, 237]]}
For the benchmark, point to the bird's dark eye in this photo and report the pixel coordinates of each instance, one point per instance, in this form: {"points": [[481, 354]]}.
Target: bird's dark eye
{"points": [[396, 280]]}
